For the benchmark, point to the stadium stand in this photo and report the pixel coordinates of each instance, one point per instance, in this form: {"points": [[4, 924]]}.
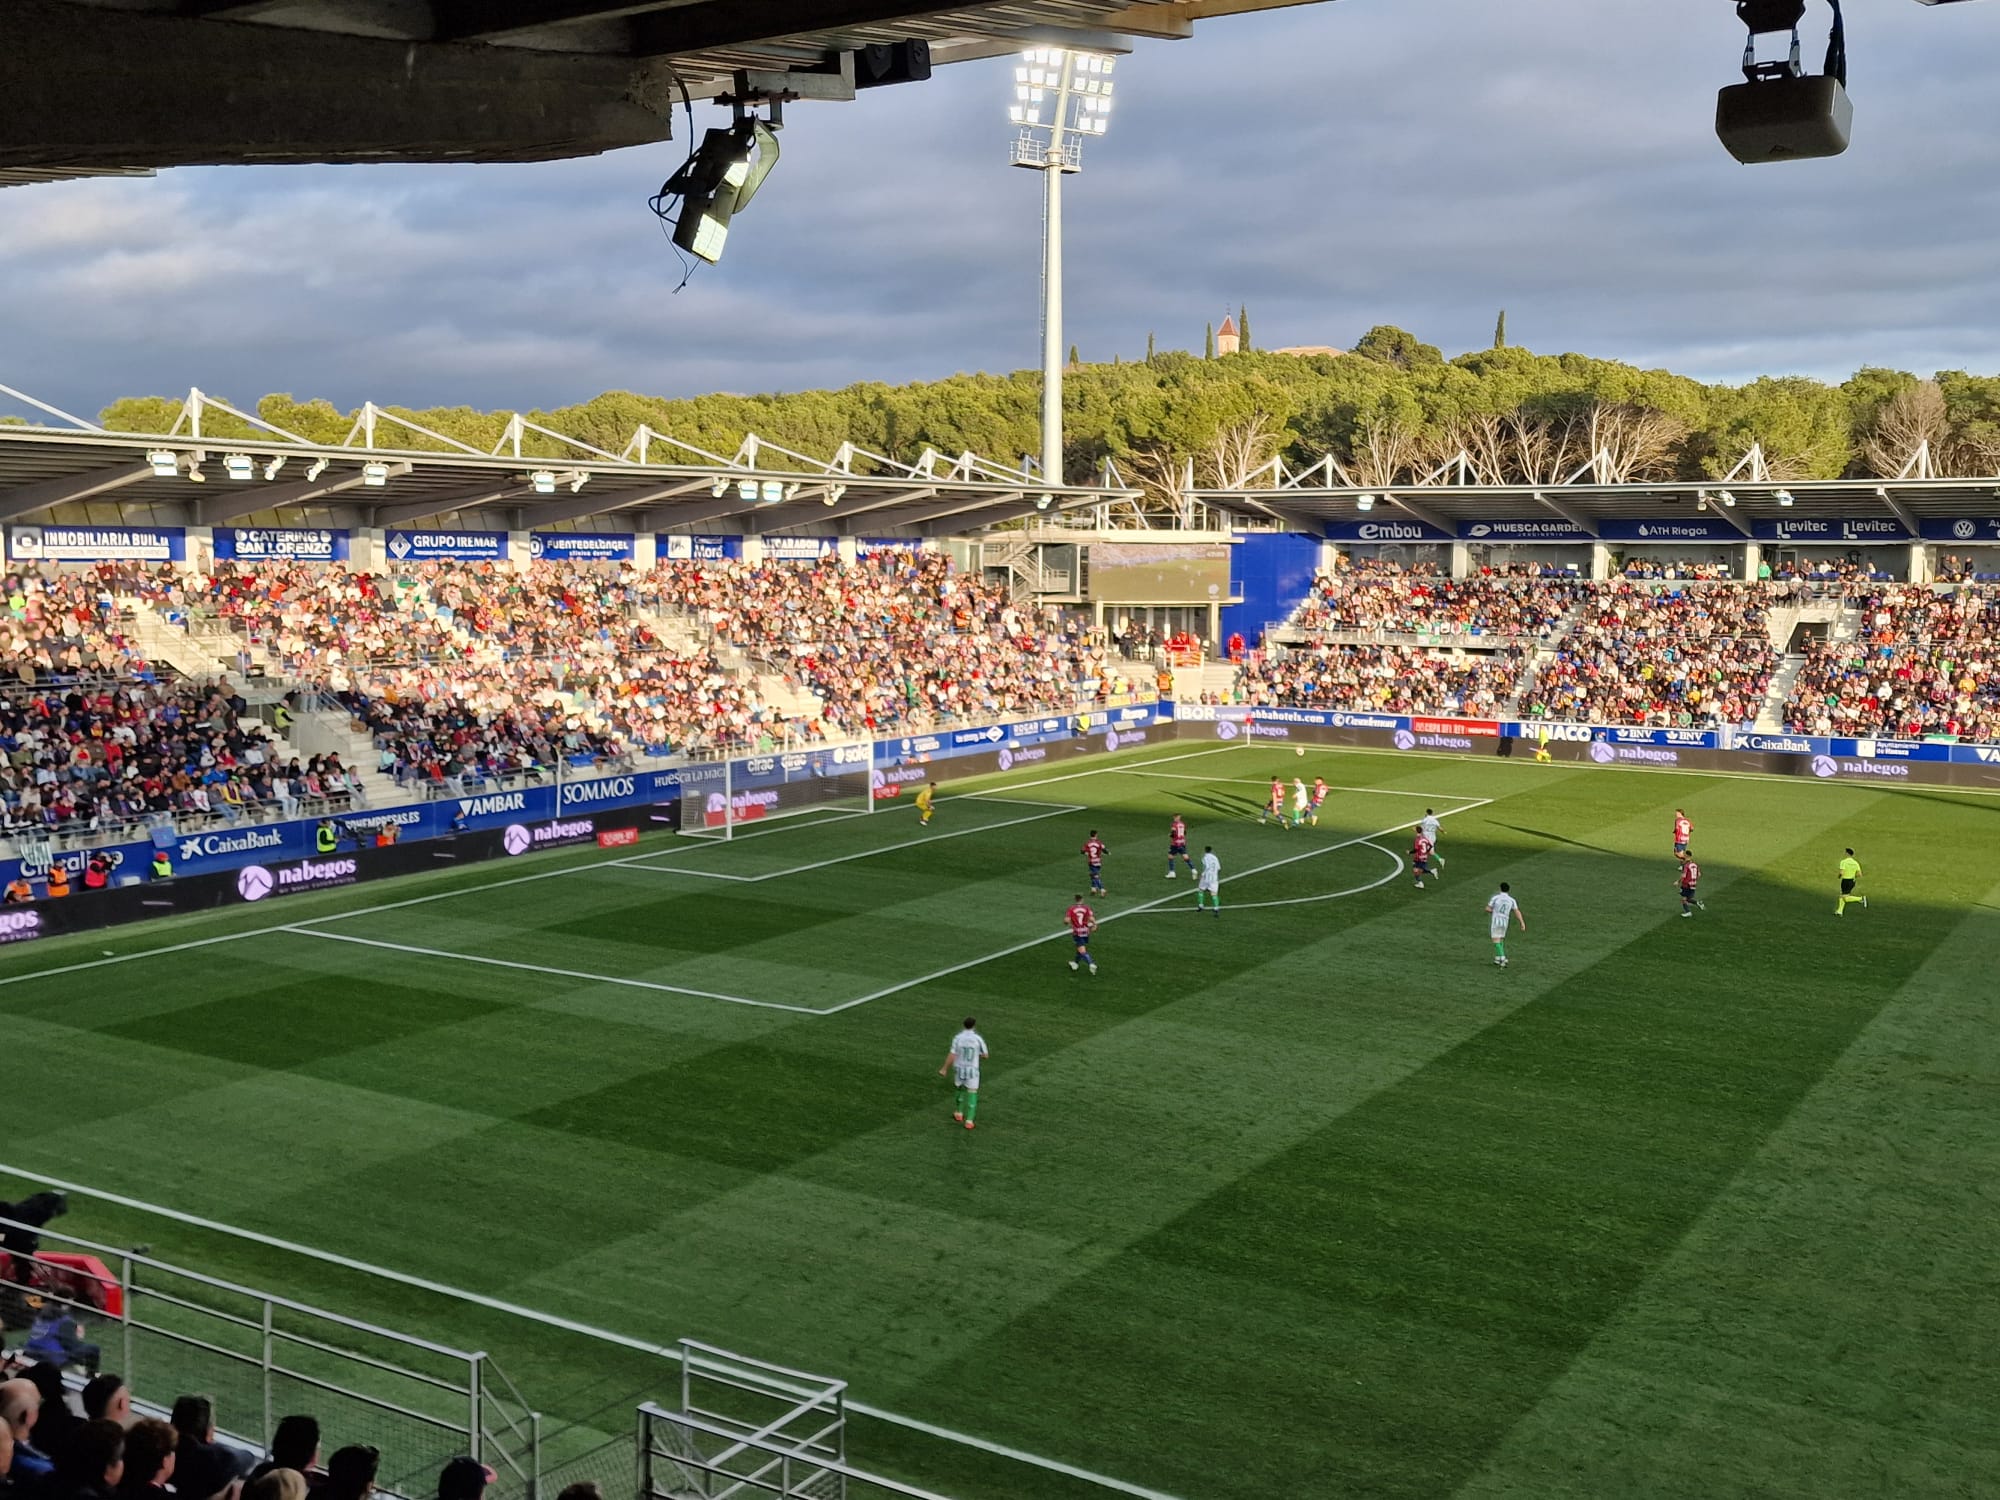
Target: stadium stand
{"points": [[1922, 663]]}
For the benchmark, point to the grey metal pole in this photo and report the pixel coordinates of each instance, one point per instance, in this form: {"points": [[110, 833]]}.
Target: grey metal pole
{"points": [[1052, 297]]}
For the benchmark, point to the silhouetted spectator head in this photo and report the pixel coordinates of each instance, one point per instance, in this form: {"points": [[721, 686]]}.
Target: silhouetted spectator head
{"points": [[194, 1418], [350, 1473], [149, 1454], [295, 1444], [583, 1489], [93, 1460], [464, 1479], [107, 1399]]}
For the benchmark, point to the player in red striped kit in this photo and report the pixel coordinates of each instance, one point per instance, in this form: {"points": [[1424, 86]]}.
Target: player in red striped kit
{"points": [[1690, 880], [1093, 855], [1420, 857], [1274, 809], [1082, 923], [1177, 846]]}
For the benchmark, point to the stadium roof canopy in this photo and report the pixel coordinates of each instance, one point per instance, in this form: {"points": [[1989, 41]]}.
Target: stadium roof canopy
{"points": [[158, 83], [1451, 497], [391, 472]]}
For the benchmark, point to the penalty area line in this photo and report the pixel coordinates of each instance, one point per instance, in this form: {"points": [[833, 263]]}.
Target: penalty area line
{"points": [[560, 1323], [527, 968], [1051, 810]]}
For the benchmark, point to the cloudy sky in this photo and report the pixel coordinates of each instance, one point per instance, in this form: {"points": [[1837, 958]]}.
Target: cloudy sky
{"points": [[1420, 162]]}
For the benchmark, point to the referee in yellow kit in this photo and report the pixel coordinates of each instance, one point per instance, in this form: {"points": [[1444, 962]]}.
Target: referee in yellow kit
{"points": [[1850, 871]]}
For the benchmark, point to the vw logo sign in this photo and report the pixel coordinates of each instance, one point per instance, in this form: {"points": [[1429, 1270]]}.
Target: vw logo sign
{"points": [[1006, 760], [253, 882], [1965, 531], [517, 839], [1404, 740], [1602, 753], [1824, 765], [1225, 729]]}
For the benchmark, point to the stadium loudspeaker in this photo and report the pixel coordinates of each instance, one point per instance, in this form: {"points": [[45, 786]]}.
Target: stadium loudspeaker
{"points": [[892, 62], [1784, 119]]}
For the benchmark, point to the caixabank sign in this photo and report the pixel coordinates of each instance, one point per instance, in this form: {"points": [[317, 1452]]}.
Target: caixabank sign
{"points": [[267, 881]]}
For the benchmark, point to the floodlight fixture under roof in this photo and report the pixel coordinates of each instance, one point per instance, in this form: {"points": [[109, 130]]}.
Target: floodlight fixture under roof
{"points": [[166, 463], [239, 465]]}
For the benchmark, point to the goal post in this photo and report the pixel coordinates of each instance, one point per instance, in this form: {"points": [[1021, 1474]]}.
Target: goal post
{"points": [[720, 798]]}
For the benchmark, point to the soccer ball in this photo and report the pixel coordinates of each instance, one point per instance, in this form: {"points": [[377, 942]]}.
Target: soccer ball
{"points": [[1298, 749]]}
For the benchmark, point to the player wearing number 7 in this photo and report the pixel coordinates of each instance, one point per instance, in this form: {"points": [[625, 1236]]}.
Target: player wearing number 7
{"points": [[967, 1050]]}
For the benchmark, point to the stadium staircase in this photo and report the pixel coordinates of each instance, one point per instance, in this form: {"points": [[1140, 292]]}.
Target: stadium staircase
{"points": [[1842, 624], [208, 651], [684, 632]]}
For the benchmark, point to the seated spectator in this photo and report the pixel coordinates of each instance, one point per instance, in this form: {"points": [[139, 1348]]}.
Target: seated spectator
{"points": [[57, 1419], [20, 1410], [464, 1479], [149, 1460], [295, 1445], [92, 1463], [106, 1399], [350, 1473], [276, 1484], [203, 1468]]}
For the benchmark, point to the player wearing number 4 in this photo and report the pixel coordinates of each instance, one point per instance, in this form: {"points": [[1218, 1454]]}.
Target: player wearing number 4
{"points": [[1177, 845], [1498, 911], [967, 1049], [1082, 923], [1210, 884]]}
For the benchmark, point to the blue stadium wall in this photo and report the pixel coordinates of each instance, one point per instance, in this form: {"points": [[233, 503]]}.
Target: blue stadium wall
{"points": [[1274, 570]]}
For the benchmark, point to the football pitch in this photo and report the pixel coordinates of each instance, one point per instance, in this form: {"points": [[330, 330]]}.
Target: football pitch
{"points": [[1306, 1200]]}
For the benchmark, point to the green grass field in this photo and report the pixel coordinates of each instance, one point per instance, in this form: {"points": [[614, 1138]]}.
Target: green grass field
{"points": [[1310, 1200]]}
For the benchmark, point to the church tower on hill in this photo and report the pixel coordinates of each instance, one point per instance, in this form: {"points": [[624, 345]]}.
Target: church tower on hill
{"points": [[1227, 339]]}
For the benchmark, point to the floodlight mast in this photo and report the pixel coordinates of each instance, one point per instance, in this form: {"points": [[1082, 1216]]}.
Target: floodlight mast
{"points": [[1060, 96]]}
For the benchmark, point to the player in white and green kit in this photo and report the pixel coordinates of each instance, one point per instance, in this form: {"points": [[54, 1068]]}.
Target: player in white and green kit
{"points": [[967, 1048], [1208, 886], [1498, 911]]}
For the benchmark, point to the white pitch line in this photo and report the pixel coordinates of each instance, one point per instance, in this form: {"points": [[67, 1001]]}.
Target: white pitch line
{"points": [[1055, 810], [508, 963], [1133, 911], [565, 1325], [1380, 791], [1353, 890]]}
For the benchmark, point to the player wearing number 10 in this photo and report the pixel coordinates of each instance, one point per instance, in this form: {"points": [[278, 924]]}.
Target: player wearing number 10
{"points": [[967, 1049]]}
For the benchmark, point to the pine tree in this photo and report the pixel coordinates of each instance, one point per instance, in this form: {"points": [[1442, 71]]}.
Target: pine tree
{"points": [[1500, 331], [1149, 348], [1243, 329], [1073, 360], [1208, 343]]}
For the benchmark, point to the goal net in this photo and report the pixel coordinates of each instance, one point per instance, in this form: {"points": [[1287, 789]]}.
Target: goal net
{"points": [[721, 799]]}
